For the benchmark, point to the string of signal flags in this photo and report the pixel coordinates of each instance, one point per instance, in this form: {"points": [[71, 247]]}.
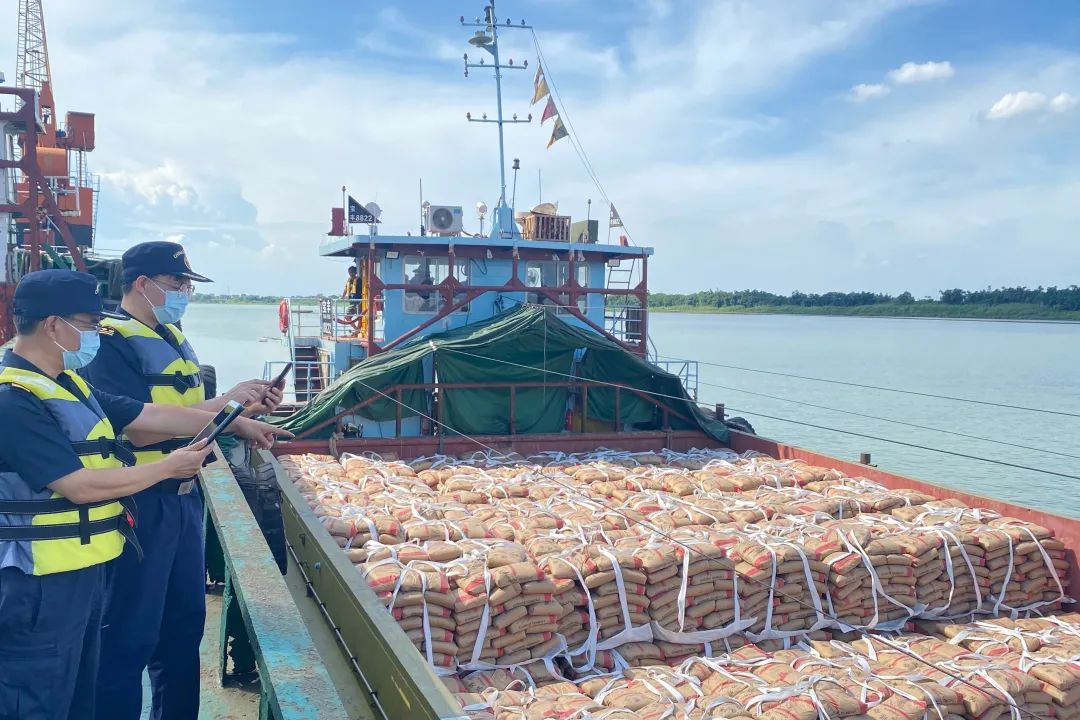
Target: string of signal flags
{"points": [[540, 91], [559, 131]]}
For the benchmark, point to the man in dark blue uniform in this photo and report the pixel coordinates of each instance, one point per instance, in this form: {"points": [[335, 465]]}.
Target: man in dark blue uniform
{"points": [[63, 495], [155, 615]]}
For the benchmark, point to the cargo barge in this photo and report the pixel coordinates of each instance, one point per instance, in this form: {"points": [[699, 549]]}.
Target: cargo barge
{"points": [[979, 642], [499, 504]]}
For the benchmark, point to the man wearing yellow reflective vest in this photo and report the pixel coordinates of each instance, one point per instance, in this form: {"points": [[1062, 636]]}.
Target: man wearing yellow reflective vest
{"points": [[64, 487], [156, 610]]}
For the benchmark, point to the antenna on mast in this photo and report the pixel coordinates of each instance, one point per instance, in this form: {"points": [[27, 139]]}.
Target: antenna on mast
{"points": [[515, 167], [487, 38]]}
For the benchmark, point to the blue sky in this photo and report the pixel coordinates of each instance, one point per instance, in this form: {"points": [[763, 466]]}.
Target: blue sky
{"points": [[779, 144]]}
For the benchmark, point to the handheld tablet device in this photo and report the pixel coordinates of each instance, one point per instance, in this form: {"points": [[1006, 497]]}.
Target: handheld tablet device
{"points": [[221, 421]]}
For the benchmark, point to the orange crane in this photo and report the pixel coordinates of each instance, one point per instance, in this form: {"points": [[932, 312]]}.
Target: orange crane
{"points": [[61, 149], [46, 188]]}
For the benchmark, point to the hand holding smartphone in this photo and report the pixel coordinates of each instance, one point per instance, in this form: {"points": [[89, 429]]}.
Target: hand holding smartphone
{"points": [[279, 381]]}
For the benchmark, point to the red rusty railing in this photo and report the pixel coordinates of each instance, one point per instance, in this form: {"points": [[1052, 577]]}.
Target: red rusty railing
{"points": [[436, 394]]}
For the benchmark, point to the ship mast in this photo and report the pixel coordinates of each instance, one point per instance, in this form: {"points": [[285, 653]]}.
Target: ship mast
{"points": [[487, 38]]}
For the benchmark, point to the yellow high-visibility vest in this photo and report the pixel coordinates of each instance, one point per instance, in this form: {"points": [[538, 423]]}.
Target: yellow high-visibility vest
{"points": [[173, 376], [42, 532]]}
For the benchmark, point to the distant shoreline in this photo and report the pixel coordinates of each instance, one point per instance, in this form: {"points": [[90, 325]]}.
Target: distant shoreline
{"points": [[1017, 312], [197, 300]]}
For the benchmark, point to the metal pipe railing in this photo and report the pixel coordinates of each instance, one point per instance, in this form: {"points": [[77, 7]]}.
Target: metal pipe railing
{"points": [[685, 370]]}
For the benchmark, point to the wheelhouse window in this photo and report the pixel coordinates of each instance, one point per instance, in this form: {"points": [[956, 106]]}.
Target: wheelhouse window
{"points": [[555, 274], [430, 270]]}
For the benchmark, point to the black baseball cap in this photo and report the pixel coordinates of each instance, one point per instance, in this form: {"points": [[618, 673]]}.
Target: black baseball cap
{"points": [[158, 257], [58, 292]]}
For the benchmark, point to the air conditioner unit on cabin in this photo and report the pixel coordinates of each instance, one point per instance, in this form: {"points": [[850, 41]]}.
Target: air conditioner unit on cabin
{"points": [[443, 219]]}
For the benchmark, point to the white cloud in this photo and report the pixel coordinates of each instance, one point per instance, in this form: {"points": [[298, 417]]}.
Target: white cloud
{"points": [[1062, 102], [863, 92], [911, 72], [154, 185], [1025, 101], [906, 74], [1016, 103]]}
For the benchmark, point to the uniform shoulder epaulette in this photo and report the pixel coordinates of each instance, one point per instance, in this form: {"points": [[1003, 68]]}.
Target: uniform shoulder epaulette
{"points": [[17, 385], [106, 330]]}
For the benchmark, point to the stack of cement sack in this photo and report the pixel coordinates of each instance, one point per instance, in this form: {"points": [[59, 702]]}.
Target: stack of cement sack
{"points": [[988, 687], [553, 553], [418, 594], [611, 602], [693, 591], [683, 554], [871, 570], [1018, 565], [1047, 648], [781, 583], [911, 677], [481, 603], [506, 612]]}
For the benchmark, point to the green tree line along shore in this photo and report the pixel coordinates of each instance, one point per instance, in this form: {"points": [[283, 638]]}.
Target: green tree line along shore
{"points": [[1016, 303], [243, 299]]}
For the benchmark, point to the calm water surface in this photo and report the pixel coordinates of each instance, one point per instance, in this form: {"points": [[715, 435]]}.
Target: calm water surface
{"points": [[1029, 364]]}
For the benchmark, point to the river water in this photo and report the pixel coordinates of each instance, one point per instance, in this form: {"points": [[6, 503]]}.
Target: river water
{"points": [[1025, 364]]}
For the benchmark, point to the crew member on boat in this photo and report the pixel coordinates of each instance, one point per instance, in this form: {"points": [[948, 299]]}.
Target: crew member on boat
{"points": [[64, 487], [352, 293], [157, 607], [420, 301]]}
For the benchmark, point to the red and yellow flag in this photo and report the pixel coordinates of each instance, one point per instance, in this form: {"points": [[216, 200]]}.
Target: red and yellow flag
{"points": [[540, 92]]}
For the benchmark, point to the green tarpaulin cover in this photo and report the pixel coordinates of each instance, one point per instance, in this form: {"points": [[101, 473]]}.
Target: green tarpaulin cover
{"points": [[515, 347]]}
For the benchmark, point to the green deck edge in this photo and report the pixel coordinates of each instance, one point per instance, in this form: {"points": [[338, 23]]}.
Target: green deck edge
{"points": [[295, 685]]}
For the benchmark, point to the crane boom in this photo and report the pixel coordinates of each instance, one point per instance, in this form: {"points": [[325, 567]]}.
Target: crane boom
{"points": [[32, 62]]}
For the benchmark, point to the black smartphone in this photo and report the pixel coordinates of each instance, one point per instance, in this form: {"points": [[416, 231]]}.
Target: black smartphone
{"points": [[279, 381], [221, 421]]}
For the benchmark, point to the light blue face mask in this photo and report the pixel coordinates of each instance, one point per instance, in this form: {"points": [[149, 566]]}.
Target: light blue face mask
{"points": [[176, 302], [89, 342]]}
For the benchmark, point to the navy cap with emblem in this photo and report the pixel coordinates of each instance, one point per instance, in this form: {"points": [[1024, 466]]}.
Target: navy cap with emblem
{"points": [[158, 257], [58, 292]]}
